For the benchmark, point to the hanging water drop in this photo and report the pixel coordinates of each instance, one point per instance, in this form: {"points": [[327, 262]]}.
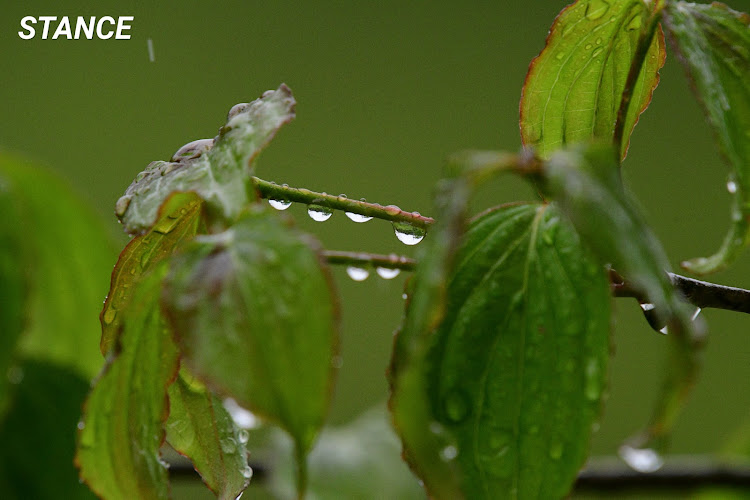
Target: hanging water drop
{"points": [[641, 459], [243, 436], [731, 187], [357, 273], [596, 9], [664, 331], [654, 320], [319, 213], [358, 217], [408, 234], [242, 418], [448, 453], [247, 473], [192, 150], [696, 313], [386, 273], [279, 204]]}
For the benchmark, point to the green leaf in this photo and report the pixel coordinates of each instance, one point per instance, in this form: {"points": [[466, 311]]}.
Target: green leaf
{"points": [[179, 220], [714, 43], [357, 460], [218, 171], [585, 182], [254, 314], [201, 429], [515, 371], [574, 88], [65, 255], [38, 434], [118, 447]]}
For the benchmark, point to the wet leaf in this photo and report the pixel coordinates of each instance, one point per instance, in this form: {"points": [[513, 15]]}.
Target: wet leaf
{"points": [[38, 434], [220, 174], [515, 371], [65, 255], [179, 220], [586, 184], [201, 429], [254, 314], [714, 44], [118, 448], [574, 87], [356, 460]]}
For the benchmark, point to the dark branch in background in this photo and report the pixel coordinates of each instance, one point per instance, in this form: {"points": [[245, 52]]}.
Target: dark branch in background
{"points": [[363, 259], [699, 293]]}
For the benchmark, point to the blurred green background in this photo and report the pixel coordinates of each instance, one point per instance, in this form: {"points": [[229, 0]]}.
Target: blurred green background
{"points": [[386, 90]]}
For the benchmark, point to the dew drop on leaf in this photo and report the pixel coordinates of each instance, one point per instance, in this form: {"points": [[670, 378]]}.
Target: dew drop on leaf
{"points": [[449, 453], [358, 217], [593, 387], [357, 273], [731, 187], [279, 204], [109, 315], [408, 234], [318, 213], [641, 459], [247, 473], [243, 436], [122, 205], [596, 9], [192, 150], [386, 273]]}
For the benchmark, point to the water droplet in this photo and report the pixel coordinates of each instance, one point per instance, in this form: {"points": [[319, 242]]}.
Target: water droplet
{"points": [[655, 320], [449, 453], [139, 177], [641, 459], [166, 224], [596, 9], [593, 387], [243, 436], [357, 273], [81, 425], [556, 451], [357, 217], [696, 313], [242, 418], [192, 150], [731, 187], [597, 51], [122, 205], [456, 406], [392, 210], [588, 46], [109, 315], [247, 473], [408, 234], [318, 213], [279, 204], [664, 330], [228, 445], [386, 273], [404, 296], [646, 306], [560, 56], [599, 41], [595, 427], [635, 23]]}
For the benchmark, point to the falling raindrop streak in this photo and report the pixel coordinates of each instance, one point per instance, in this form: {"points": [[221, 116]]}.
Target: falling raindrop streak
{"points": [[279, 204], [318, 213], [357, 217], [357, 273], [386, 273]]}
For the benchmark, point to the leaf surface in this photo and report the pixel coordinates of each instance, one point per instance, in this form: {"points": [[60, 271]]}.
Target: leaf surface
{"points": [[714, 43], [254, 314], [515, 371], [118, 447], [201, 429], [178, 221], [574, 87], [218, 171], [65, 255]]}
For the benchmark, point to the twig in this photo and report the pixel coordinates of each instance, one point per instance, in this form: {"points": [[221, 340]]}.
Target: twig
{"points": [[270, 190], [679, 473], [391, 261]]}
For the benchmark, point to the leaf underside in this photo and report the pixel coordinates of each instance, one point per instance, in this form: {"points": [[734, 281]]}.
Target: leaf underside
{"points": [[254, 314], [118, 447], [714, 44], [574, 87], [201, 429], [220, 175]]}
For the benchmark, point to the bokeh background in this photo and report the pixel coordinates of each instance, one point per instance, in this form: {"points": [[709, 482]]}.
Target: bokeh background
{"points": [[386, 90]]}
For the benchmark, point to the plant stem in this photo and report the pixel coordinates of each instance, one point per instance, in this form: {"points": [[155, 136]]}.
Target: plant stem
{"points": [[270, 190], [362, 259]]}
